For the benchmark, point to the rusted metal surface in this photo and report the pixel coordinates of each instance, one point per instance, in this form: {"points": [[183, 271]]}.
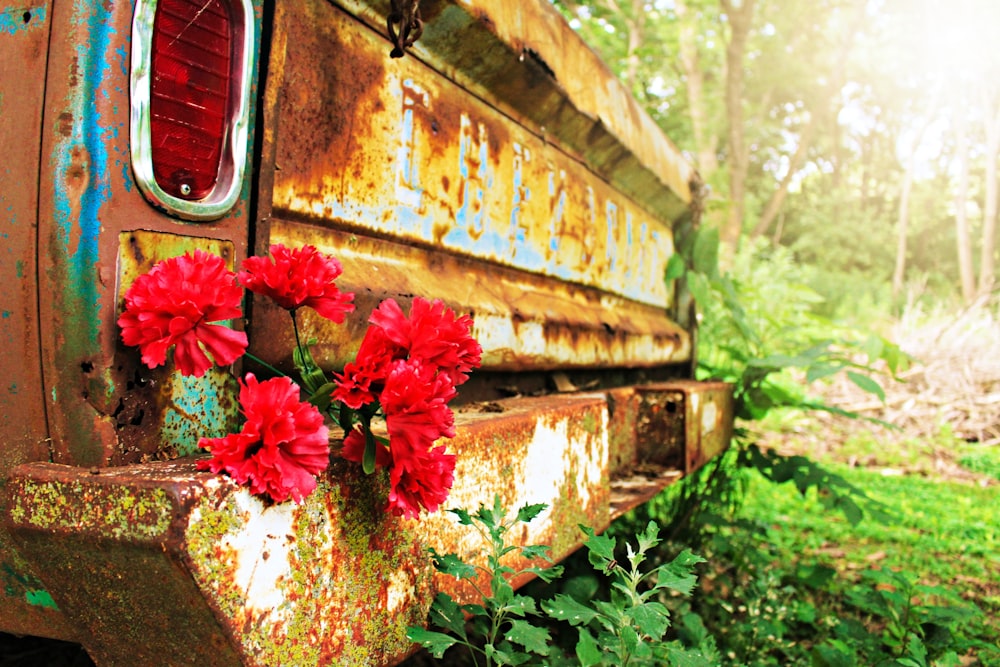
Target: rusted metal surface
{"points": [[97, 394], [522, 321], [24, 36], [403, 152], [72, 393], [479, 170], [160, 564], [422, 188], [525, 60], [184, 409]]}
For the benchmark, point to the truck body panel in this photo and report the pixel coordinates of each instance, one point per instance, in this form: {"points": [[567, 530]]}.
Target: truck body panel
{"points": [[498, 166]]}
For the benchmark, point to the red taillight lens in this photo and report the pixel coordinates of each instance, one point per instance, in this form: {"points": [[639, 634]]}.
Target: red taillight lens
{"points": [[190, 88]]}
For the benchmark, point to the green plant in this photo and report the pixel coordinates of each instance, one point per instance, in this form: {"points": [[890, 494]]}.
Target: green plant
{"points": [[629, 628], [914, 632], [499, 625], [508, 629]]}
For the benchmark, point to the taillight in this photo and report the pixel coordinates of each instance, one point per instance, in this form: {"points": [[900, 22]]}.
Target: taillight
{"points": [[191, 74]]}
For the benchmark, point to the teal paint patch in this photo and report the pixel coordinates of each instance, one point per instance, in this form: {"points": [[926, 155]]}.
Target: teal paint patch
{"points": [[197, 409], [41, 598], [18, 20], [77, 211], [19, 268]]}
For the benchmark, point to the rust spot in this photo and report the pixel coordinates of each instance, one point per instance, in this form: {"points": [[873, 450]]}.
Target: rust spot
{"points": [[65, 124]]}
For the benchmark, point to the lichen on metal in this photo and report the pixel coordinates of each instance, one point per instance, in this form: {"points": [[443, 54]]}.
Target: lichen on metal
{"points": [[111, 511]]}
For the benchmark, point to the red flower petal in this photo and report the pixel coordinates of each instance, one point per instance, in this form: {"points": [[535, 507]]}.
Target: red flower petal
{"points": [[300, 277], [176, 304], [283, 444], [423, 482]]}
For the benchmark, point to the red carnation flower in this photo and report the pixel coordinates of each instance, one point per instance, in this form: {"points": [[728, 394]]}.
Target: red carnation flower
{"points": [[420, 481], [415, 402], [283, 444], [300, 277], [433, 334], [362, 379], [175, 304], [423, 482]]}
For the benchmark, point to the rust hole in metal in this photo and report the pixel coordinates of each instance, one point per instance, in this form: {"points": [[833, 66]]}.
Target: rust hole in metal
{"points": [[671, 407], [137, 381], [87, 366], [26, 17]]}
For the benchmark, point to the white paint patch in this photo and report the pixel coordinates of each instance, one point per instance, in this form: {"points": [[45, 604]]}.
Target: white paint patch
{"points": [[399, 590], [261, 549], [709, 417]]}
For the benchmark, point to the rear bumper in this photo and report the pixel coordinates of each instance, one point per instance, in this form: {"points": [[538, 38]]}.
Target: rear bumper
{"points": [[160, 564]]}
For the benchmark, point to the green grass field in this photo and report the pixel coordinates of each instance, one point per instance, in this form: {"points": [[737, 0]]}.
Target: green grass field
{"points": [[944, 537]]}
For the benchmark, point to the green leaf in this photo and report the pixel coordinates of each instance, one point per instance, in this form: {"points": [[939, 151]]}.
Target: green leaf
{"points": [[700, 289], [564, 608], [322, 397], [445, 613], [435, 642], [547, 574], [652, 619], [529, 512], [369, 458], [452, 565], [536, 640], [520, 605], [705, 255], [600, 546], [463, 516], [675, 267], [536, 551], [630, 638], [820, 371], [649, 538], [866, 383], [587, 651], [502, 657]]}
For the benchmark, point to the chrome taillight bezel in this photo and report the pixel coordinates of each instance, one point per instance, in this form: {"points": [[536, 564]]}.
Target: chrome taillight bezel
{"points": [[221, 199]]}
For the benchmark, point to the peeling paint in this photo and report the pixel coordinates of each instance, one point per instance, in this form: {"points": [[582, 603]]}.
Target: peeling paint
{"points": [[15, 20]]}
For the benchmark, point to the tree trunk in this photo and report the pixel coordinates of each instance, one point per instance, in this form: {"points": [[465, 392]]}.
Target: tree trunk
{"points": [[837, 77], [778, 197], [903, 217], [903, 222], [739, 14], [991, 107], [963, 239], [706, 142]]}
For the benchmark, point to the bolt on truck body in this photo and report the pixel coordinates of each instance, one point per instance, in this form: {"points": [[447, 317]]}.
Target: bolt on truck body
{"points": [[498, 166]]}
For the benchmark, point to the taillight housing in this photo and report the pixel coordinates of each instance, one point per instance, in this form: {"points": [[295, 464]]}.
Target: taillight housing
{"points": [[190, 89]]}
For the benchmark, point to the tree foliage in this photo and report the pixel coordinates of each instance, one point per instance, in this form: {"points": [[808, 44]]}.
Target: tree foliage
{"points": [[810, 120]]}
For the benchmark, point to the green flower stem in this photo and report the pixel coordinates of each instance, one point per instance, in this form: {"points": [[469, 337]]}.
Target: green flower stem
{"points": [[295, 328], [263, 363]]}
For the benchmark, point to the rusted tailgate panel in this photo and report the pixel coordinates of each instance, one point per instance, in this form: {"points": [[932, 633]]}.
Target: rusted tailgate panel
{"points": [[524, 59], [427, 187]]}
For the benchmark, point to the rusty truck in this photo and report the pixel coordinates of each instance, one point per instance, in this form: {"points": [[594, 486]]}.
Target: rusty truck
{"points": [[497, 165]]}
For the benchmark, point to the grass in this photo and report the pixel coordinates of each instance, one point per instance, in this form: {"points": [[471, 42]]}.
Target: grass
{"points": [[944, 534], [944, 531]]}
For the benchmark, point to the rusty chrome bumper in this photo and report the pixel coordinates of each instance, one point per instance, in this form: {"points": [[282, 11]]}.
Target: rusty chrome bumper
{"points": [[159, 564]]}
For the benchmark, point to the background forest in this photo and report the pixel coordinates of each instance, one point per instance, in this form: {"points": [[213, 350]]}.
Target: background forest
{"points": [[862, 135]]}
